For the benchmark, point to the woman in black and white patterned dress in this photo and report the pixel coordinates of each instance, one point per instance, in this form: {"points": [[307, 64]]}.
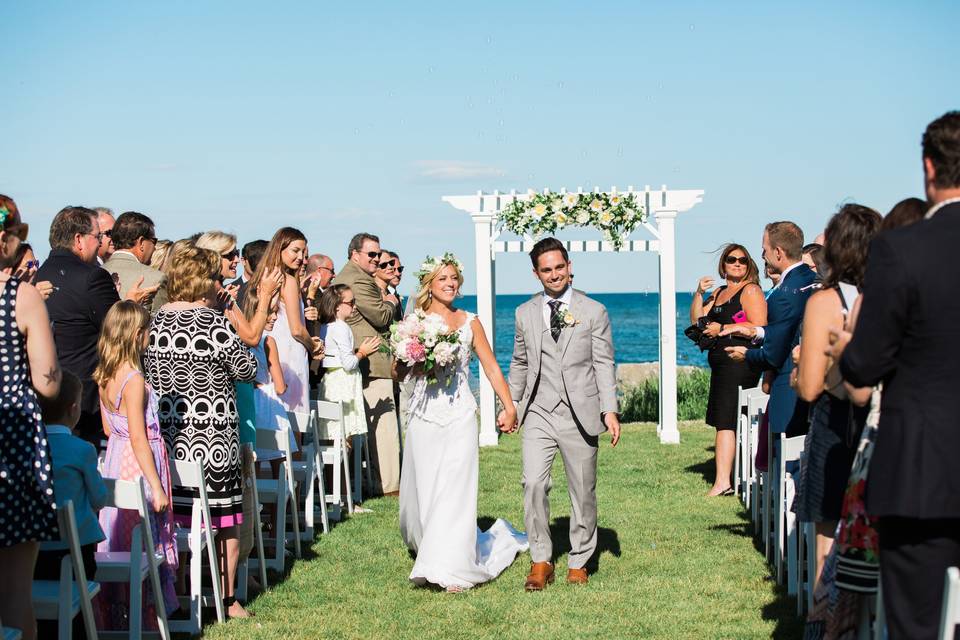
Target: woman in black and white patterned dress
{"points": [[29, 371], [193, 359]]}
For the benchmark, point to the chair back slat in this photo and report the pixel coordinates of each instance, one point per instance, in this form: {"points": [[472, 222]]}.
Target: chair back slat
{"points": [[186, 473], [300, 422], [327, 410]]}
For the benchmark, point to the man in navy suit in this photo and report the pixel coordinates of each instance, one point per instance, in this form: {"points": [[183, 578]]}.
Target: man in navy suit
{"points": [[782, 252], [82, 294]]}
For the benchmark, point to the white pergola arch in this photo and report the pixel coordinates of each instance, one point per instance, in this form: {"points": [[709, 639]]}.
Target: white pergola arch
{"points": [[662, 207]]}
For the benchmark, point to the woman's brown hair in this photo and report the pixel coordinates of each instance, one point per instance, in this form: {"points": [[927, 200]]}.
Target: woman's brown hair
{"points": [[329, 301], [191, 275], [271, 260], [847, 240], [753, 273]]}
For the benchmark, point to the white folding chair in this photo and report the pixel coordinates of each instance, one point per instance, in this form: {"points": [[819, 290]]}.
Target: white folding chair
{"points": [[276, 492], [63, 599], [308, 472], [785, 531], [756, 407], [330, 429], [188, 474], [279, 440], [243, 569], [138, 564], [950, 610]]}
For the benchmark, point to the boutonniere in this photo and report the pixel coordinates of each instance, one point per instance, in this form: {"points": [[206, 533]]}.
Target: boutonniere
{"points": [[568, 320]]}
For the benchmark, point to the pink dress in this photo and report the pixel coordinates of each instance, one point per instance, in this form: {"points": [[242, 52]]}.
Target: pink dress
{"points": [[121, 464]]}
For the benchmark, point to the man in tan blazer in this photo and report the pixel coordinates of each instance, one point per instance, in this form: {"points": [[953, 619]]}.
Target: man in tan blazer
{"points": [[372, 317], [134, 239]]}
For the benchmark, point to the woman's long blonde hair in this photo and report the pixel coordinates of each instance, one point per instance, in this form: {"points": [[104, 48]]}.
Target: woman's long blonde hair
{"points": [[121, 340], [424, 297]]}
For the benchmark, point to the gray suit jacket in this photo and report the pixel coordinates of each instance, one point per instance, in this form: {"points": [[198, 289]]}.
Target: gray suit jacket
{"points": [[589, 379], [130, 270]]}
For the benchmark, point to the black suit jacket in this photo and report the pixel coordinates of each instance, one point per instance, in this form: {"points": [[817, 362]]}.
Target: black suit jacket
{"points": [[906, 336], [86, 292]]}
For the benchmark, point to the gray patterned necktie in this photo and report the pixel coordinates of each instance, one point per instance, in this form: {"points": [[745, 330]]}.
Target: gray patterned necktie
{"points": [[556, 321]]}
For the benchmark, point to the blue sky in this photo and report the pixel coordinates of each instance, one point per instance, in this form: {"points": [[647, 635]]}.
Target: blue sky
{"points": [[338, 118]]}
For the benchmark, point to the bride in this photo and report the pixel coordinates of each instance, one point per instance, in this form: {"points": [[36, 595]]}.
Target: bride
{"points": [[438, 483]]}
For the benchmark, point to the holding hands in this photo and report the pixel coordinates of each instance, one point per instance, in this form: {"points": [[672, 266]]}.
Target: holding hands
{"points": [[507, 420]]}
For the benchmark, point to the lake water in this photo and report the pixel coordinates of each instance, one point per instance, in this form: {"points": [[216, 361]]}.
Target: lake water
{"points": [[634, 317]]}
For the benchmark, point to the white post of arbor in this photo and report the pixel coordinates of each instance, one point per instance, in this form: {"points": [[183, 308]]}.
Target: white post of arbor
{"points": [[486, 304], [669, 434]]}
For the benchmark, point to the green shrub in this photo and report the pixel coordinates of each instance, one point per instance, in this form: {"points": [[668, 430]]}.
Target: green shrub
{"points": [[641, 403]]}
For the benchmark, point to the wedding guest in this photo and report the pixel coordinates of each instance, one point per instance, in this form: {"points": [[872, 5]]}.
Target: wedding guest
{"points": [[135, 450], [161, 255], [224, 244], [106, 221], [250, 257], [782, 248], [813, 256], [342, 381], [83, 293], [75, 478], [906, 338], [739, 301], [835, 424], [27, 501], [134, 239], [372, 318], [386, 272], [295, 345], [904, 213], [24, 266], [320, 268], [197, 401], [395, 283]]}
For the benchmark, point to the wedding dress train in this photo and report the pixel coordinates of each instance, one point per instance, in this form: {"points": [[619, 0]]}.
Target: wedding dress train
{"points": [[439, 483]]}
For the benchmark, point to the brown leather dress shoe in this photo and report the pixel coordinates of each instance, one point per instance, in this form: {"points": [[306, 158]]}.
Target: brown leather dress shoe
{"points": [[576, 576], [541, 574]]}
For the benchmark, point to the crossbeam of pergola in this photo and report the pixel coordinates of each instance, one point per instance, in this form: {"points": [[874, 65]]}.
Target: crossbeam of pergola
{"points": [[662, 207]]}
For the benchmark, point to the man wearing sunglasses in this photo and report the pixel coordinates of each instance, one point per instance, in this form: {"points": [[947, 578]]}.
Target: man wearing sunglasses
{"points": [[134, 239], [373, 316], [106, 221]]}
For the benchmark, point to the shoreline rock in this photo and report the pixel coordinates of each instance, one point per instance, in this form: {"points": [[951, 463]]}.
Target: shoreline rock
{"points": [[633, 374]]}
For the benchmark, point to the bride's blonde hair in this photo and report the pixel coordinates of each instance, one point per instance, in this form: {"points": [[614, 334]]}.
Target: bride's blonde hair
{"points": [[429, 271]]}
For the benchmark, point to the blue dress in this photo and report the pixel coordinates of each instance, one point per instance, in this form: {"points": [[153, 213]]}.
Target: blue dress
{"points": [[27, 507]]}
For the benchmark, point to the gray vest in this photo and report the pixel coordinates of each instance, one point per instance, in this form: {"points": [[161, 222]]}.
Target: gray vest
{"points": [[550, 391]]}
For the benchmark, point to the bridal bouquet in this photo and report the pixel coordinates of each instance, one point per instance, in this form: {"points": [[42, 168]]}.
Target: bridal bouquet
{"points": [[424, 339]]}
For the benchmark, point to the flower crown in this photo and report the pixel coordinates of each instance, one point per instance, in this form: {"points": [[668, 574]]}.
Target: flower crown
{"points": [[430, 265], [4, 212]]}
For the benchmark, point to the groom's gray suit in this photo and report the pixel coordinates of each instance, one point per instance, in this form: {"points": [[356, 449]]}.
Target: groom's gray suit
{"points": [[562, 389]]}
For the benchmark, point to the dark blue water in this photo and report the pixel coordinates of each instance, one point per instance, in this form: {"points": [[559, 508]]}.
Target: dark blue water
{"points": [[634, 317]]}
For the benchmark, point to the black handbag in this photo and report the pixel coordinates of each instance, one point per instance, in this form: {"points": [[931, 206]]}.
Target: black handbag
{"points": [[695, 333]]}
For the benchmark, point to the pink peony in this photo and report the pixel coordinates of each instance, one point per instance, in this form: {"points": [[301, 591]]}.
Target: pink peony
{"points": [[416, 352]]}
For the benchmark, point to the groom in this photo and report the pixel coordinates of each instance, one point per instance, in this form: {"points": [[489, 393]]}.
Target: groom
{"points": [[562, 380]]}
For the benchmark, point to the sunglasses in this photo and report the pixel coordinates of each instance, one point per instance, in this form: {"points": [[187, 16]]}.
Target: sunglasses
{"points": [[230, 255], [33, 264], [734, 260], [388, 263], [108, 233], [350, 303], [152, 239], [400, 269], [373, 255], [19, 230]]}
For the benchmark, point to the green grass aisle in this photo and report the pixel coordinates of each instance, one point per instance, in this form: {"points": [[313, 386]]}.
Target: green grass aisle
{"points": [[672, 564]]}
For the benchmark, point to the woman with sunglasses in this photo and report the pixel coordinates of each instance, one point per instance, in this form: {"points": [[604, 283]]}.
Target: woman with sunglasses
{"points": [[385, 276], [739, 301]]}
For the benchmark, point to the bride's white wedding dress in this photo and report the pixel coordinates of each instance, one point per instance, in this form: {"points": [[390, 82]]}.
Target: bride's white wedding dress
{"points": [[438, 484]]}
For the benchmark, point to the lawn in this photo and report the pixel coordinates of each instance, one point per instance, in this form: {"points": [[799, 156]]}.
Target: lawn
{"points": [[671, 564]]}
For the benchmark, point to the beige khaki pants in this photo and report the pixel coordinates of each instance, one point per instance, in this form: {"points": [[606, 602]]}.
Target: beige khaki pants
{"points": [[383, 434]]}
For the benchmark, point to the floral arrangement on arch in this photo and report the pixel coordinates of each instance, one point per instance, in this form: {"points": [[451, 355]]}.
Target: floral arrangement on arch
{"points": [[615, 215]]}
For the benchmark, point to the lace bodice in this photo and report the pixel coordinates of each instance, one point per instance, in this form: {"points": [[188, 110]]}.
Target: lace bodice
{"points": [[450, 397]]}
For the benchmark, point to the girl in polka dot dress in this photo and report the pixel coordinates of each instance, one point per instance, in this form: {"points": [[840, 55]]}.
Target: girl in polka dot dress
{"points": [[28, 370]]}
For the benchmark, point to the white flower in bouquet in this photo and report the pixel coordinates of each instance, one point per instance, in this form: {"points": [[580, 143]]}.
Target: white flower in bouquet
{"points": [[615, 200], [445, 353], [606, 217]]}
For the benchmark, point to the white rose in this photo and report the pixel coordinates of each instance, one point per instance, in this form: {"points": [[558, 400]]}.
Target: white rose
{"points": [[444, 353]]}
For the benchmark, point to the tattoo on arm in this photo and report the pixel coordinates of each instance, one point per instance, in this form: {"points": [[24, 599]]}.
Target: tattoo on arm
{"points": [[53, 376]]}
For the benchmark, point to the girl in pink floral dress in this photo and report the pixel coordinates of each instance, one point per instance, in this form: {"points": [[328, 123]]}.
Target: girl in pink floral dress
{"points": [[135, 449]]}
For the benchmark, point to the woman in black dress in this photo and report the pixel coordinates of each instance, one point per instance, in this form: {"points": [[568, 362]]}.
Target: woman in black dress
{"points": [[739, 301], [835, 424], [30, 374]]}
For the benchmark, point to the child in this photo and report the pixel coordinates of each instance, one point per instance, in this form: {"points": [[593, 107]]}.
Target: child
{"points": [[75, 478], [341, 381], [135, 449]]}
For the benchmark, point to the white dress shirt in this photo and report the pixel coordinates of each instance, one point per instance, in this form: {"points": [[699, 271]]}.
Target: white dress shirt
{"points": [[757, 339], [940, 205], [564, 298]]}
